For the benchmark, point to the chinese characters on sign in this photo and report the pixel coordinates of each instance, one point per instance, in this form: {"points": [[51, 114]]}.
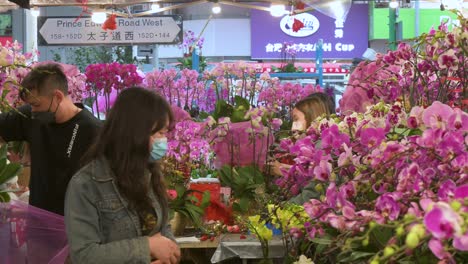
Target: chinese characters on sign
{"points": [[142, 30], [342, 39], [301, 47]]}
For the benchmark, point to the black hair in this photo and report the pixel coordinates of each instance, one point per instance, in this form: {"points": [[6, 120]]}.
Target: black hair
{"points": [[124, 141], [44, 79]]}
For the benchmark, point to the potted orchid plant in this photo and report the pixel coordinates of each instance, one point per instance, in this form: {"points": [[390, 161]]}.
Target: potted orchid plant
{"points": [[391, 179], [104, 81], [188, 46]]}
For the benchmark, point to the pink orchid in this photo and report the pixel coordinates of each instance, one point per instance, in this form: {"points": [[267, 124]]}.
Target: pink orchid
{"points": [[443, 222], [437, 115]]}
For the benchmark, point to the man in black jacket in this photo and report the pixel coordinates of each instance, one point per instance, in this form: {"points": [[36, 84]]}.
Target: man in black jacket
{"points": [[58, 132]]}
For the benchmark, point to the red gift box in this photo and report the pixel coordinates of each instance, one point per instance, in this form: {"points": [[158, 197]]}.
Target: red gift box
{"points": [[216, 210]]}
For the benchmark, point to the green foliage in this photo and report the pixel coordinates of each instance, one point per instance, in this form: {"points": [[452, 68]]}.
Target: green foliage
{"points": [[7, 171], [84, 56], [186, 63], [189, 205], [235, 112], [243, 182]]}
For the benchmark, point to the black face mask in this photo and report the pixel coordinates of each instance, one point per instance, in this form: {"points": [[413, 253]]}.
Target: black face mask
{"points": [[45, 117]]}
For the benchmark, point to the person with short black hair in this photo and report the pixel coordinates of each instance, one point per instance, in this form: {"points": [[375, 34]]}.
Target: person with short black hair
{"points": [[58, 133]]}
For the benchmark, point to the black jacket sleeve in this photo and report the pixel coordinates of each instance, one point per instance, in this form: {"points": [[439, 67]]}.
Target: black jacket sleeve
{"points": [[14, 124]]}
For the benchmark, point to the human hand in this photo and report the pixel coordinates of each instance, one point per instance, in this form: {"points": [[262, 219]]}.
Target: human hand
{"points": [[163, 249], [275, 168]]}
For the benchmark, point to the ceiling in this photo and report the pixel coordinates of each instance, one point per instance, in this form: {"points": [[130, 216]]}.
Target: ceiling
{"points": [[29, 3], [118, 6]]}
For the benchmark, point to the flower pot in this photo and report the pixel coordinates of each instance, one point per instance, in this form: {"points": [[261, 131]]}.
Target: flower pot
{"points": [[178, 224]]}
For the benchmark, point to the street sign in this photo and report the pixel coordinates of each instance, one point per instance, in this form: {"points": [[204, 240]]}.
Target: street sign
{"points": [[144, 50], [130, 31]]}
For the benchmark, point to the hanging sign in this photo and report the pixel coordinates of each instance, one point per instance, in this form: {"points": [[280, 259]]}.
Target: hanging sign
{"points": [[130, 31]]}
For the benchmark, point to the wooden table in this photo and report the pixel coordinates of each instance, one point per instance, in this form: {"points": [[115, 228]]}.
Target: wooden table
{"points": [[197, 251]]}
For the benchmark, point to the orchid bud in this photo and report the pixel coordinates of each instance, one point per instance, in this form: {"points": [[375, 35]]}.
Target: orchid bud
{"points": [[412, 240], [389, 251], [456, 205]]}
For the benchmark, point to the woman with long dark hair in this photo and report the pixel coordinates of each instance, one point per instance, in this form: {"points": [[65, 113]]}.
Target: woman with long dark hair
{"points": [[116, 208]]}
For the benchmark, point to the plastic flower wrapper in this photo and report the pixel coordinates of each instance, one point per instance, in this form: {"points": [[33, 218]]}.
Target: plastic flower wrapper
{"points": [[30, 233]]}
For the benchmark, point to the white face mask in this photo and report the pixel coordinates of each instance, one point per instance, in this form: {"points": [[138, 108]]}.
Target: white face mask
{"points": [[298, 126]]}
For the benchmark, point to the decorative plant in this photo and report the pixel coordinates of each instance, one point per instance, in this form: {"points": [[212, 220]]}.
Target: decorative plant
{"points": [[244, 182], [13, 67], [391, 179], [258, 227], [434, 69], [374, 172], [182, 89], [105, 81], [186, 203], [188, 46], [289, 51]]}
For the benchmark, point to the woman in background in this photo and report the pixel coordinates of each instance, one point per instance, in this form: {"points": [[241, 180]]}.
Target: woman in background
{"points": [[303, 114], [116, 208], [309, 108]]}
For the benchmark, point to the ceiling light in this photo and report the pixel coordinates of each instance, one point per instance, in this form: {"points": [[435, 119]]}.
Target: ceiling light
{"points": [[393, 4], [277, 10], [216, 9], [155, 7], [99, 17]]}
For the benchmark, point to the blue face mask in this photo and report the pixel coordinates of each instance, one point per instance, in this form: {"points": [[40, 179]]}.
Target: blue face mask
{"points": [[158, 149]]}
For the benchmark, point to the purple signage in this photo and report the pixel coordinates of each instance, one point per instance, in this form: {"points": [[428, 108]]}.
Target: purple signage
{"points": [[341, 40]]}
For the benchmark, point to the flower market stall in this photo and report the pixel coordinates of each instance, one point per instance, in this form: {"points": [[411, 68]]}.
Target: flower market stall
{"points": [[386, 177]]}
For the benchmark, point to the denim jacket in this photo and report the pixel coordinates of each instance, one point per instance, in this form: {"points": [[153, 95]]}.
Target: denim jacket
{"points": [[100, 226]]}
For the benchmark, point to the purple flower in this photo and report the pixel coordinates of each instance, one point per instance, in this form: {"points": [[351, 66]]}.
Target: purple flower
{"points": [[461, 192], [348, 212], [388, 206], [372, 137], [415, 117], [461, 242], [448, 60], [458, 120], [446, 189], [314, 208], [442, 221], [332, 195], [322, 171], [332, 138], [437, 115], [438, 249], [276, 123]]}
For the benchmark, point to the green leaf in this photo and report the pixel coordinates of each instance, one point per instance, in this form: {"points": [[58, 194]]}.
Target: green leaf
{"points": [[355, 255], [322, 241], [244, 203], [222, 109], [241, 103], [205, 202], [4, 197], [320, 248], [382, 235], [3, 151], [415, 132], [238, 115], [203, 115], [10, 171]]}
